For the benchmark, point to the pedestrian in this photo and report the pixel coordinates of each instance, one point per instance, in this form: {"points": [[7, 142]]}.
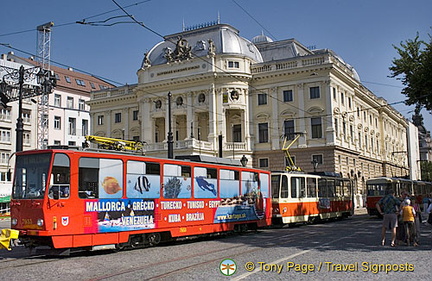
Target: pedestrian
{"points": [[390, 206], [425, 203], [417, 220], [408, 217]]}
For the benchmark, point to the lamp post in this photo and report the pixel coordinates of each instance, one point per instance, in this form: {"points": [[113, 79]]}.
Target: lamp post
{"points": [[170, 134], [244, 161], [20, 84], [315, 164]]}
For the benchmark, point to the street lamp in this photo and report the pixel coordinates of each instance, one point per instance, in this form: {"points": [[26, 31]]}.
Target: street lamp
{"points": [[20, 84], [170, 134], [315, 164], [244, 161]]}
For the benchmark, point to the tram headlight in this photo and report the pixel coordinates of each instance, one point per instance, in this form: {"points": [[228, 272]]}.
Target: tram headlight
{"points": [[40, 222], [14, 221]]}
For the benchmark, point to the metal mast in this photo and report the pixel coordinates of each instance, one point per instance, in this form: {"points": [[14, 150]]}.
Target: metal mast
{"points": [[43, 57]]}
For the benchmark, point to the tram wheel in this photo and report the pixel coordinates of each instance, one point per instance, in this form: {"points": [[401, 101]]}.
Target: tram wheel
{"points": [[154, 239]]}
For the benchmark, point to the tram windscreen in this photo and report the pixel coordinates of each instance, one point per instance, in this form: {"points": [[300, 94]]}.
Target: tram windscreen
{"points": [[31, 172]]}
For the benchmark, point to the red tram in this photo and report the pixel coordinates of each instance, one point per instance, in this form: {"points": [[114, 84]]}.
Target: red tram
{"points": [[378, 187], [82, 199], [300, 197]]}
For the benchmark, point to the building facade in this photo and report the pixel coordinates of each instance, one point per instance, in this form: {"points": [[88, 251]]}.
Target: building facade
{"points": [[232, 97]]}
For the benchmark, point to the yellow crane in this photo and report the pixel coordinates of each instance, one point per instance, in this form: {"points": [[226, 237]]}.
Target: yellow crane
{"points": [[114, 144]]}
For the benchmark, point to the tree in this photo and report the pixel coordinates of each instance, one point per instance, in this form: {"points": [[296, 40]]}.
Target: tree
{"points": [[414, 69]]}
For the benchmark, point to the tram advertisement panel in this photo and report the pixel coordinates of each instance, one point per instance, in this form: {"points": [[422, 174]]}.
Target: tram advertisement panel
{"points": [[114, 215]]}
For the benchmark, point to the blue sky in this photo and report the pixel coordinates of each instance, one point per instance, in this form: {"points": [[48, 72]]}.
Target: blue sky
{"points": [[362, 32]]}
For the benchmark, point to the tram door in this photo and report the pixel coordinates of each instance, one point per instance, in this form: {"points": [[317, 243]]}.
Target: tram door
{"points": [[59, 207]]}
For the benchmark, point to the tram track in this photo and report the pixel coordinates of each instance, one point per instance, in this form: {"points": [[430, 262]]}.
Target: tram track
{"points": [[183, 259], [283, 240]]}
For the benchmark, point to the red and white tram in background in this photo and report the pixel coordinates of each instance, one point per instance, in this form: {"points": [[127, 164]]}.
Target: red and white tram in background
{"points": [[82, 199], [300, 197], [378, 187]]}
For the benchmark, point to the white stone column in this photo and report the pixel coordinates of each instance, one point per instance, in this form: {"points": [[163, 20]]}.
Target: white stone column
{"points": [[274, 126], [190, 115], [301, 121], [213, 108], [147, 123], [108, 122]]}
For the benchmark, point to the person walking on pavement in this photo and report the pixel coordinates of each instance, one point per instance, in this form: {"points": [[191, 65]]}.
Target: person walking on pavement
{"points": [[390, 207]]}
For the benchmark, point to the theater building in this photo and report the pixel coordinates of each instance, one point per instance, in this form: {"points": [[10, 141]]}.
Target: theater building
{"points": [[236, 97]]}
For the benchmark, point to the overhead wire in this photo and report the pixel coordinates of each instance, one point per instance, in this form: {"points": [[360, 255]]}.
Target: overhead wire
{"points": [[158, 34]]}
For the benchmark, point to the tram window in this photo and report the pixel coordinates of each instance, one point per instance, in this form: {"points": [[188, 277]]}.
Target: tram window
{"points": [[264, 186], [143, 180], [338, 188], [229, 183], [284, 187], [175, 184], [205, 182], [322, 188], [347, 187], [60, 177], [275, 186], [311, 187], [330, 187], [250, 183], [100, 178], [298, 189]]}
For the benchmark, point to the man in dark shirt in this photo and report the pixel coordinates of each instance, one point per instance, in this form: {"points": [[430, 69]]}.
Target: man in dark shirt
{"points": [[390, 206]]}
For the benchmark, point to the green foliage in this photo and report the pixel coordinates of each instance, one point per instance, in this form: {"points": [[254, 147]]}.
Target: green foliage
{"points": [[414, 69], [426, 170]]}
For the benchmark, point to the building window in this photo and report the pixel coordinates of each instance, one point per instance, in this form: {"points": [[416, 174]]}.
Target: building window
{"points": [[100, 119], [317, 158], [117, 118], [26, 116], [67, 78], [288, 96], [84, 127], [26, 138], [5, 135], [57, 122], [57, 142], [342, 98], [135, 115], [57, 100], [233, 64], [289, 129], [263, 132], [4, 157], [262, 99], [80, 82], [263, 162], [349, 102], [334, 93], [70, 102], [92, 85], [359, 140], [81, 104], [314, 92], [237, 136], [316, 127], [336, 127], [5, 114], [72, 126]]}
